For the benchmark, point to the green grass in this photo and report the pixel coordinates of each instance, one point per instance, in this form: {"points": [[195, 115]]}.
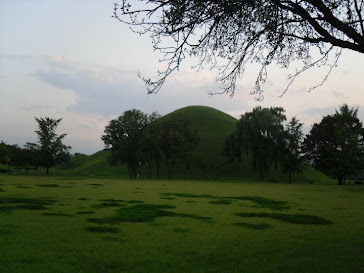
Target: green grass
{"points": [[102, 229], [261, 226], [57, 214], [317, 231], [301, 219]]}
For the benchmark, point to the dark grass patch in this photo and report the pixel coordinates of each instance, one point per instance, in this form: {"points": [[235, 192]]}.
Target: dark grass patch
{"points": [[85, 212], [135, 202], [113, 239], [69, 178], [137, 192], [301, 219], [23, 187], [96, 184], [57, 214], [181, 230], [6, 232], [168, 198], [48, 185], [144, 213], [6, 208], [189, 195], [67, 187], [221, 202], [112, 200], [1, 190], [102, 229], [14, 203], [261, 202], [17, 200], [82, 199], [261, 226], [28, 260], [107, 205]]}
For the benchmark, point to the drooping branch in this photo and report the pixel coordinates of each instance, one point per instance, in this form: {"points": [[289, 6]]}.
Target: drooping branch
{"points": [[236, 32]]}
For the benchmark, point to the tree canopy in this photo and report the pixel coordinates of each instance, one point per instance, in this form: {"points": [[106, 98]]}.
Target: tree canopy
{"points": [[292, 161], [124, 138], [260, 132], [228, 34], [336, 144], [50, 146]]}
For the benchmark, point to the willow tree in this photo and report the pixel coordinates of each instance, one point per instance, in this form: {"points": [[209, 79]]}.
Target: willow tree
{"points": [[260, 132], [228, 34]]}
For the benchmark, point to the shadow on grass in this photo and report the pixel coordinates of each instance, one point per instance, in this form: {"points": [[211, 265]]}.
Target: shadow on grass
{"points": [[113, 239], [14, 203], [57, 214], [260, 202], [86, 212], [69, 178], [108, 205], [144, 213], [181, 230], [262, 226], [111, 200], [1, 190], [102, 229], [221, 202], [48, 185], [23, 187], [301, 219]]}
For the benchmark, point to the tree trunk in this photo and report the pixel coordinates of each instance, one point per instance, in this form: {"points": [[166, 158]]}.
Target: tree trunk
{"points": [[169, 170], [340, 180], [158, 165], [150, 169], [290, 177], [47, 170]]}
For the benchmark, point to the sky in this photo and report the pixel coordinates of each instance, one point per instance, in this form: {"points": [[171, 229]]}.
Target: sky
{"points": [[71, 60]]}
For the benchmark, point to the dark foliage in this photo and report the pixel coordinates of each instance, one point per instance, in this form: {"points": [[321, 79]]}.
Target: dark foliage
{"points": [[335, 146]]}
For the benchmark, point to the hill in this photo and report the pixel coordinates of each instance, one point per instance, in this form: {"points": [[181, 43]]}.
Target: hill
{"points": [[207, 163]]}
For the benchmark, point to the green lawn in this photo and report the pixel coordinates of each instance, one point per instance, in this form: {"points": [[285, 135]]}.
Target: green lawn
{"points": [[107, 225]]}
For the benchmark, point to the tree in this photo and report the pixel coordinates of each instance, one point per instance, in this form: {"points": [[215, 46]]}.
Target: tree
{"points": [[260, 132], [124, 138], [4, 157], [178, 140], [151, 143], [336, 144], [228, 34], [51, 148], [292, 159]]}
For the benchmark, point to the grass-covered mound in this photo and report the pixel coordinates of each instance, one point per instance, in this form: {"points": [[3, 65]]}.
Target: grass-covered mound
{"points": [[206, 163]]}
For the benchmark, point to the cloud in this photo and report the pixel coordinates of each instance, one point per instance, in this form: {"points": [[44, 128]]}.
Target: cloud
{"points": [[14, 57], [110, 90], [337, 94], [101, 89]]}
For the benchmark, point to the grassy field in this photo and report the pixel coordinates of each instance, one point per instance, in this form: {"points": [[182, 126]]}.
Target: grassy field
{"points": [[107, 225]]}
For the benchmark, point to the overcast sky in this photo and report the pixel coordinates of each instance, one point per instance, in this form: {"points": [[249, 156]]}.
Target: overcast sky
{"points": [[69, 59]]}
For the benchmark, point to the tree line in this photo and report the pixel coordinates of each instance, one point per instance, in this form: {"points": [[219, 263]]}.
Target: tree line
{"points": [[49, 150], [334, 146], [136, 138]]}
